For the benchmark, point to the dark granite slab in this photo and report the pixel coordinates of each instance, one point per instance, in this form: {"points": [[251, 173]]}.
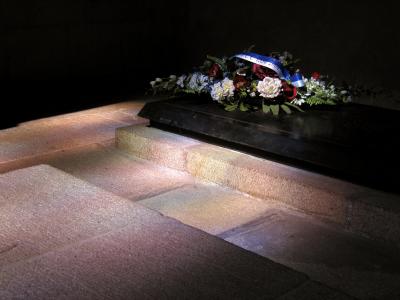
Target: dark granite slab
{"points": [[356, 142]]}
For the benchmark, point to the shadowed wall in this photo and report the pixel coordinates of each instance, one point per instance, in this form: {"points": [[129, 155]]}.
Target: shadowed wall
{"points": [[57, 56], [63, 55]]}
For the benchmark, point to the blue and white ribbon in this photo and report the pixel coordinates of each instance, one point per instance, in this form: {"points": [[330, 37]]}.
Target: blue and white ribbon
{"points": [[273, 64]]}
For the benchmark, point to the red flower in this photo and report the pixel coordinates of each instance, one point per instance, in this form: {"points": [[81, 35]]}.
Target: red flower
{"points": [[315, 75], [240, 81], [215, 71], [262, 72], [289, 91]]}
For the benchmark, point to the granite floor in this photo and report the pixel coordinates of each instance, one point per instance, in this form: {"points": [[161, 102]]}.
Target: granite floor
{"points": [[89, 222]]}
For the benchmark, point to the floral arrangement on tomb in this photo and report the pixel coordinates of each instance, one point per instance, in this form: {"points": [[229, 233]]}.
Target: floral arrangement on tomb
{"points": [[250, 81]]}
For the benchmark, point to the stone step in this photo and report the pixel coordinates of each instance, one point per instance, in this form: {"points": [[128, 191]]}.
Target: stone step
{"points": [[353, 207], [64, 238], [39, 137], [102, 165]]}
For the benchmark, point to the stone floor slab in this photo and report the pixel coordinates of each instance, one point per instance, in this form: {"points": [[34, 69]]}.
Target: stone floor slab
{"points": [[52, 134], [63, 238], [42, 208], [344, 261], [154, 258], [117, 111], [312, 290], [209, 207], [110, 169]]}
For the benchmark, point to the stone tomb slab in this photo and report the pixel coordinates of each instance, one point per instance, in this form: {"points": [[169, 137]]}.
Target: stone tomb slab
{"points": [[355, 142]]}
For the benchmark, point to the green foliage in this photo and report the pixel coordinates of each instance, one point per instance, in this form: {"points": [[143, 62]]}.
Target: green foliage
{"points": [[216, 60], [286, 109], [231, 106], [244, 107], [220, 61], [242, 94], [187, 91], [315, 100], [266, 108], [275, 109], [294, 106]]}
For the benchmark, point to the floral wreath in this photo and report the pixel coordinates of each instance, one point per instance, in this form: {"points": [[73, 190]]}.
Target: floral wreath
{"points": [[250, 82]]}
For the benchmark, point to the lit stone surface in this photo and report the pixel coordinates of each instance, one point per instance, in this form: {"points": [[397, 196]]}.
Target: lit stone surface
{"points": [[259, 225], [338, 259], [112, 170], [334, 200], [125, 112], [208, 207], [161, 147], [156, 259], [63, 238], [266, 179], [360, 267], [43, 208], [72, 130]]}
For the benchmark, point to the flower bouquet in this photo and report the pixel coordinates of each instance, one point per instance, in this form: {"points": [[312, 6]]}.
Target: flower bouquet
{"points": [[250, 82]]}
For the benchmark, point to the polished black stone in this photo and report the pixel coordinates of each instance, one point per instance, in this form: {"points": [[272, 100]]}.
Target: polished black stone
{"points": [[355, 142]]}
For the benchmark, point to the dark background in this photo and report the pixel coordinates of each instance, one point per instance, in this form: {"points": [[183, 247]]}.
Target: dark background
{"points": [[63, 55]]}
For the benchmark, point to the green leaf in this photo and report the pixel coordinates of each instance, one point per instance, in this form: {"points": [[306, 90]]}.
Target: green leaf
{"points": [[265, 108], [286, 109], [207, 64], [275, 109], [243, 107], [231, 107], [216, 60], [330, 102], [294, 106], [242, 93]]}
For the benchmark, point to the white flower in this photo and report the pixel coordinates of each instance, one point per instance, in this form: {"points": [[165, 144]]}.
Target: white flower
{"points": [[158, 79], [222, 90], [252, 94], [181, 81], [198, 82], [217, 93], [203, 81], [152, 83], [193, 81], [298, 102], [269, 87], [313, 84], [172, 77], [318, 86], [228, 87]]}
